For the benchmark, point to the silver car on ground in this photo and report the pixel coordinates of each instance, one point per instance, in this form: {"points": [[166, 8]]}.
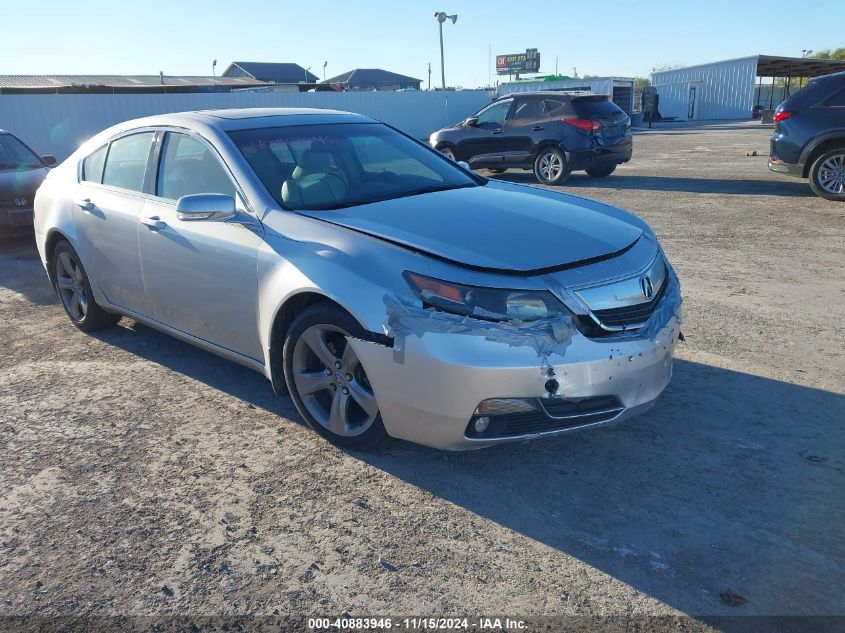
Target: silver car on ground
{"points": [[389, 290]]}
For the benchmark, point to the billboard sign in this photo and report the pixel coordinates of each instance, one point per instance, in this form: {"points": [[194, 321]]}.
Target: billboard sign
{"points": [[527, 62]]}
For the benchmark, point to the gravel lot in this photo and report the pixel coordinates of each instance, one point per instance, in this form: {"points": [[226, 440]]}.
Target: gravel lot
{"points": [[139, 475]]}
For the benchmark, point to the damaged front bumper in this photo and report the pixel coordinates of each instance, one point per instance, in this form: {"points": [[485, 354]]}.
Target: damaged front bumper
{"points": [[430, 384]]}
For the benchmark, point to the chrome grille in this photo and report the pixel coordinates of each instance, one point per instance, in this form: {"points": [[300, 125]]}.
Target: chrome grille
{"points": [[630, 316]]}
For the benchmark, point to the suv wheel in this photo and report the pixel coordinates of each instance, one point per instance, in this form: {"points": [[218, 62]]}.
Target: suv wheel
{"points": [[74, 290], [827, 175], [327, 382], [550, 167], [601, 172]]}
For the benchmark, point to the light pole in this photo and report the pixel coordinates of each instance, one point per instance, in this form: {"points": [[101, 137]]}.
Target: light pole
{"points": [[306, 74], [441, 17], [213, 69], [806, 51], [324, 70]]}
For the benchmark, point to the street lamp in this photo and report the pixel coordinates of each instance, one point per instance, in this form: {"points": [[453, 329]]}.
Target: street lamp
{"points": [[441, 17], [806, 51], [306, 74], [324, 70], [213, 69]]}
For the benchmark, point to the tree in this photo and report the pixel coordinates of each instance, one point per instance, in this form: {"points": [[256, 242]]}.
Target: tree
{"points": [[827, 53], [641, 82]]}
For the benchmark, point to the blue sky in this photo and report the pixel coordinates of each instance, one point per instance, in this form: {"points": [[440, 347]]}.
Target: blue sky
{"points": [[601, 38]]}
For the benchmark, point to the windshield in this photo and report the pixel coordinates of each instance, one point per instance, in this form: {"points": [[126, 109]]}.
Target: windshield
{"points": [[333, 166], [16, 155]]}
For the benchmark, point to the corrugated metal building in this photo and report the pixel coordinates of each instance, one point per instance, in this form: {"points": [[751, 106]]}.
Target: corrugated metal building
{"points": [[726, 90], [620, 89]]}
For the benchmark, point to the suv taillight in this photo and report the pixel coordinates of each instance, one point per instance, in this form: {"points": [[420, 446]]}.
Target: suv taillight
{"points": [[587, 125], [780, 116]]}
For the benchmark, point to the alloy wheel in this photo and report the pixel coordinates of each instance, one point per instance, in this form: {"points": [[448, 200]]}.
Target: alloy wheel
{"points": [[71, 286], [831, 174], [551, 166], [331, 381]]}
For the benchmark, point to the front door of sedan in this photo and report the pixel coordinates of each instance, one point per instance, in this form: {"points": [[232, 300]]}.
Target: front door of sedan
{"points": [[108, 203], [201, 276], [482, 142]]}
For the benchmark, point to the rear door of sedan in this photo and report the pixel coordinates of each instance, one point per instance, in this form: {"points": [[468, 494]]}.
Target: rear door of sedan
{"points": [[201, 276], [107, 205]]}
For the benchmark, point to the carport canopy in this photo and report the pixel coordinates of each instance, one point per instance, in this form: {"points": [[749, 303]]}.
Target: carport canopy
{"points": [[771, 66]]}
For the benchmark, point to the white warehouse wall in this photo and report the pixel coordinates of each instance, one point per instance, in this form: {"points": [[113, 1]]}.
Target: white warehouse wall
{"points": [[59, 123], [725, 91]]}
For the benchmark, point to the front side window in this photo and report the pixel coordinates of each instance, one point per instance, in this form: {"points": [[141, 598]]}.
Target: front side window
{"points": [[126, 163], [16, 155], [343, 165], [189, 166], [92, 166], [496, 113]]}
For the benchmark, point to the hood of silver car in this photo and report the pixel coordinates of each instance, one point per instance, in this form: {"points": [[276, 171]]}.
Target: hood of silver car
{"points": [[495, 227]]}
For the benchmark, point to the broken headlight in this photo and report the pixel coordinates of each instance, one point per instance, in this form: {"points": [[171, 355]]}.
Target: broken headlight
{"points": [[494, 304]]}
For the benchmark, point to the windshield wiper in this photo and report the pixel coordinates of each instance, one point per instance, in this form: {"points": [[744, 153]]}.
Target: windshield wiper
{"points": [[332, 206]]}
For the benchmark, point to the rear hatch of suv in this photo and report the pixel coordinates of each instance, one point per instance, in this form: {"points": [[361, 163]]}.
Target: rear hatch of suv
{"points": [[614, 122]]}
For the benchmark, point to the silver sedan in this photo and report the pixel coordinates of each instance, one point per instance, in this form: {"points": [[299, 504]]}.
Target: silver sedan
{"points": [[389, 290]]}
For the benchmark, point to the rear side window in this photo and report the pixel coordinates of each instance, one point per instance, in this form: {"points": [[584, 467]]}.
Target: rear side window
{"points": [[528, 109], [587, 107], [188, 166], [555, 107], [126, 163], [92, 167], [837, 99]]}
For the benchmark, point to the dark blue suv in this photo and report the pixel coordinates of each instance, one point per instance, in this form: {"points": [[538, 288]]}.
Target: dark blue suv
{"points": [[809, 137], [552, 133]]}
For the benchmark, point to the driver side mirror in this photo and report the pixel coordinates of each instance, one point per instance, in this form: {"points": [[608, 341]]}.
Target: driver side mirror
{"points": [[205, 206], [471, 121]]}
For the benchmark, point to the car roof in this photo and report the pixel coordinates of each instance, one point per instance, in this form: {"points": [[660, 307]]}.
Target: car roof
{"points": [[552, 93], [231, 119]]}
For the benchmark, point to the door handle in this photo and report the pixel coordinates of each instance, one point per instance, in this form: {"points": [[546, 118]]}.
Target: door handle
{"points": [[154, 223], [537, 128], [498, 130], [86, 205]]}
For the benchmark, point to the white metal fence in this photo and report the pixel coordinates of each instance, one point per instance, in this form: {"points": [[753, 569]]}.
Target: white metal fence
{"points": [[58, 123]]}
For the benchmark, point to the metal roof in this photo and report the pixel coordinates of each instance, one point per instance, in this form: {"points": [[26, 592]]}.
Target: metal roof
{"points": [[371, 77], [281, 73], [772, 66], [119, 81]]}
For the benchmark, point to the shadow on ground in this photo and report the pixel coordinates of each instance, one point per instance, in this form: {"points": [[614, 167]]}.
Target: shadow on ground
{"points": [[794, 188], [20, 254], [730, 486]]}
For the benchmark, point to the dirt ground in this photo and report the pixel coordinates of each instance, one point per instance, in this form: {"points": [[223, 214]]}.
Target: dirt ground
{"points": [[139, 475]]}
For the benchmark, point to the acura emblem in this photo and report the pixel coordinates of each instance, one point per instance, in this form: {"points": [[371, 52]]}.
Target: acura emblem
{"points": [[21, 202], [647, 287]]}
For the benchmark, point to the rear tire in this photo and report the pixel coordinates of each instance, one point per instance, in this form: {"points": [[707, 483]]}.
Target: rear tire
{"points": [[74, 290], [601, 172], [550, 167], [827, 175], [327, 382]]}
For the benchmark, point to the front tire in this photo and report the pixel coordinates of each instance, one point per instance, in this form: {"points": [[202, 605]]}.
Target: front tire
{"points": [[327, 382], [74, 289], [827, 175], [601, 172], [550, 167]]}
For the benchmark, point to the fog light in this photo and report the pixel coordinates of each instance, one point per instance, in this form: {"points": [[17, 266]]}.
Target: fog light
{"points": [[481, 424], [500, 406]]}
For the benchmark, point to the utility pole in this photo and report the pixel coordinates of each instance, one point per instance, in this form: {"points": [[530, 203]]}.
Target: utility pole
{"points": [[429, 75], [324, 70]]}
